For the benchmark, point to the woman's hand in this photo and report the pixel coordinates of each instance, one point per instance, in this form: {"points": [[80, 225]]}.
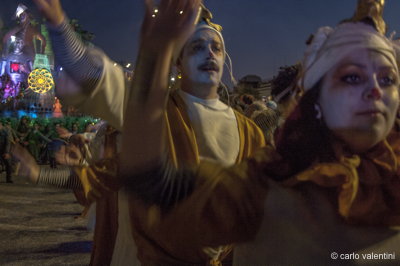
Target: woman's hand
{"points": [[63, 132], [69, 155], [29, 167]]}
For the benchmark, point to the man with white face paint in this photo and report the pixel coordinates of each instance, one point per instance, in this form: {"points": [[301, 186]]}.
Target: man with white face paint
{"points": [[201, 63], [199, 124]]}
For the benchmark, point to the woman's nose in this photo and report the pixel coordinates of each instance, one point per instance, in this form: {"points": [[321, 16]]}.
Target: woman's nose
{"points": [[374, 91]]}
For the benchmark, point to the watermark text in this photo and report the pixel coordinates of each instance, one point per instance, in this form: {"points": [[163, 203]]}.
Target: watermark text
{"points": [[363, 256]]}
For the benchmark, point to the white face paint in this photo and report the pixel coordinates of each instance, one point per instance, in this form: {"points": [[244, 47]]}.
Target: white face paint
{"points": [[202, 59], [18, 45], [359, 98]]}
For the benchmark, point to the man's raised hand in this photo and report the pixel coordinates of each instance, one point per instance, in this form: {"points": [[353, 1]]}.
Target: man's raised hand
{"points": [[51, 10], [171, 21]]}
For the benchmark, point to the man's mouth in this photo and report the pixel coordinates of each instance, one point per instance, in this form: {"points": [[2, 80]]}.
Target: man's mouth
{"points": [[209, 66]]}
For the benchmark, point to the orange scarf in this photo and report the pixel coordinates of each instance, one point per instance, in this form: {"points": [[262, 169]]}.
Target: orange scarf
{"points": [[368, 185]]}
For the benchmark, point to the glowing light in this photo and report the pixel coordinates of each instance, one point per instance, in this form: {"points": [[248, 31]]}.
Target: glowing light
{"points": [[115, 64], [156, 10], [12, 38], [172, 79], [15, 67], [153, 16], [61, 69], [40, 80], [128, 65], [181, 12]]}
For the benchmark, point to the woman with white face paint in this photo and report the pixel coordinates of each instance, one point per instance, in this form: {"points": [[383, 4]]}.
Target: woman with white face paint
{"points": [[329, 191], [365, 87]]}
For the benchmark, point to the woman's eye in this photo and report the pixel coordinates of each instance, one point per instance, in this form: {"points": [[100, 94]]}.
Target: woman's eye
{"points": [[387, 81], [351, 79]]}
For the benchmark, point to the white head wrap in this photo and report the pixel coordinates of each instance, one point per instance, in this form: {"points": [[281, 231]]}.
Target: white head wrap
{"points": [[330, 46], [20, 9], [202, 25]]}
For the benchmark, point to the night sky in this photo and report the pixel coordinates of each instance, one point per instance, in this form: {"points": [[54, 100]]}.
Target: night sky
{"points": [[260, 35]]}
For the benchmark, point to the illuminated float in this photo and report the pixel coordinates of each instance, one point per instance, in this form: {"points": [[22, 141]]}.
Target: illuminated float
{"points": [[26, 81]]}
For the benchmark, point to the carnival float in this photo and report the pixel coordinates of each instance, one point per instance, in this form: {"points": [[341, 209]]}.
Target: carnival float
{"points": [[27, 68]]}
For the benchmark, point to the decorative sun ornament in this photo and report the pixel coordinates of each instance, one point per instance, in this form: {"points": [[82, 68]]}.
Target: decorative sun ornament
{"points": [[40, 80]]}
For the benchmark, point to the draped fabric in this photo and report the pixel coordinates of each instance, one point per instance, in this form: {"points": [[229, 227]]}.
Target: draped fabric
{"points": [[100, 183], [349, 204]]}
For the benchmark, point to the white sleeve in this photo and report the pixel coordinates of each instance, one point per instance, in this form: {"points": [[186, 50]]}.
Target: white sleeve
{"points": [[107, 101]]}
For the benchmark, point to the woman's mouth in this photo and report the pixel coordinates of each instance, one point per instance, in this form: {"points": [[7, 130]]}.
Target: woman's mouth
{"points": [[370, 112]]}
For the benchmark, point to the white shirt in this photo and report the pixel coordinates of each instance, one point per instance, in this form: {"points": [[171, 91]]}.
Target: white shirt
{"points": [[215, 127]]}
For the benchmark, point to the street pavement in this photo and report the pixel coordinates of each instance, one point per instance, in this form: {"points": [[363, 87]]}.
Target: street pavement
{"points": [[38, 226]]}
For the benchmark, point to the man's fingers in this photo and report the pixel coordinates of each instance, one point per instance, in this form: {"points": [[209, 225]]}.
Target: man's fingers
{"points": [[149, 5], [51, 10], [180, 5], [191, 11], [164, 5], [149, 9]]}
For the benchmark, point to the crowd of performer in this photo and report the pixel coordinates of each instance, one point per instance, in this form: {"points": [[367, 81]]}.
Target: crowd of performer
{"points": [[42, 137]]}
